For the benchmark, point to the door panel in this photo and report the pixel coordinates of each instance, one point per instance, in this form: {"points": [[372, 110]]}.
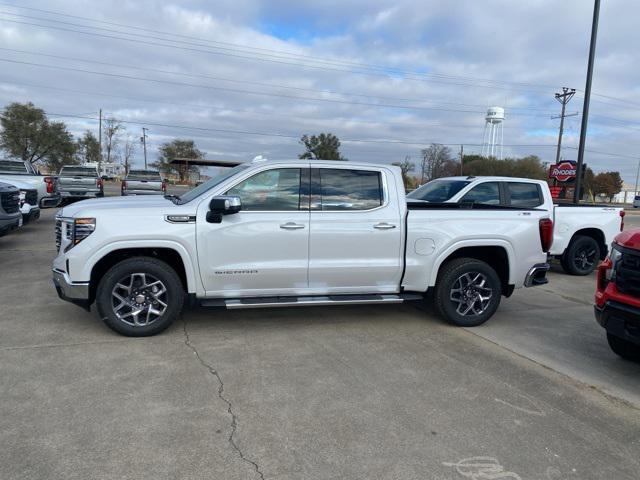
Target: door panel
{"points": [[356, 232], [258, 251]]}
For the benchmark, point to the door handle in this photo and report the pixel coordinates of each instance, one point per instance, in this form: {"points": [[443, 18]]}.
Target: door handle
{"points": [[291, 226], [383, 226]]}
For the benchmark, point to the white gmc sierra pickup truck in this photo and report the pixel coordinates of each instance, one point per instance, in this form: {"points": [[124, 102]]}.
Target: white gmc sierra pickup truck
{"points": [[582, 233], [294, 233]]}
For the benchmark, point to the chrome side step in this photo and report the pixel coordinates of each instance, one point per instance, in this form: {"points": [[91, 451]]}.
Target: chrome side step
{"points": [[307, 301]]}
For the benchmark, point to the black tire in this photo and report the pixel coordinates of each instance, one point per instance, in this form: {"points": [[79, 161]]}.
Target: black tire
{"points": [[582, 256], [153, 283], [624, 348], [451, 276]]}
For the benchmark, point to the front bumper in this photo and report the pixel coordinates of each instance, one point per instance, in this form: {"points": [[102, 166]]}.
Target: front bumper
{"points": [[11, 223], [620, 320], [30, 213], [537, 275], [74, 292]]}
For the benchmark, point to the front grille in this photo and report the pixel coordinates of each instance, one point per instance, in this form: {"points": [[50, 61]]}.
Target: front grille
{"points": [[31, 197], [58, 234], [10, 201], [628, 273]]}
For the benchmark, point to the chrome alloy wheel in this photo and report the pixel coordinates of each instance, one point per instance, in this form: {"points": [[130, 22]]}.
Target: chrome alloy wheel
{"points": [[139, 299], [471, 294]]}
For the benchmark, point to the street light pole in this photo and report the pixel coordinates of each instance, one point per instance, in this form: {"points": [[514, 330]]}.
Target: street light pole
{"points": [[143, 139], [635, 190], [587, 99]]}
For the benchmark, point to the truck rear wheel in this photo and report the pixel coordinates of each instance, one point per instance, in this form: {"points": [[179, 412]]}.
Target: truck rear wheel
{"points": [[467, 292], [140, 296], [582, 256], [624, 348]]}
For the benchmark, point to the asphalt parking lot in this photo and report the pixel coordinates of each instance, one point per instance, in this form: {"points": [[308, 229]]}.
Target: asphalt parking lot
{"points": [[368, 392]]}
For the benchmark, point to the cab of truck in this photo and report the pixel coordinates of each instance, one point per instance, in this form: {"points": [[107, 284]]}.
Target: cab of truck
{"points": [[617, 298]]}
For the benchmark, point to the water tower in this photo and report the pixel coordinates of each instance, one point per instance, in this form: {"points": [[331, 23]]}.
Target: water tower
{"points": [[493, 132]]}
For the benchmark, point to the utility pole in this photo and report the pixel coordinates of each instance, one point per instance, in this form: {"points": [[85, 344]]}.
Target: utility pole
{"points": [[563, 98], [461, 157], [100, 141], [587, 99], [635, 190], [143, 139]]}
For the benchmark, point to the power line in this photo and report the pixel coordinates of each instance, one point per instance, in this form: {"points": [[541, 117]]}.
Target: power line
{"points": [[233, 80], [235, 90], [252, 49], [318, 67]]}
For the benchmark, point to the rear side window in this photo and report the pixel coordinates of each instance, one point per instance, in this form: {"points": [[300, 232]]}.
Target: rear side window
{"points": [[342, 189], [524, 194], [271, 190], [487, 193]]}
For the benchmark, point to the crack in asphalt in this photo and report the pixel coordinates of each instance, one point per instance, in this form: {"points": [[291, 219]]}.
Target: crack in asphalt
{"points": [[234, 419]]}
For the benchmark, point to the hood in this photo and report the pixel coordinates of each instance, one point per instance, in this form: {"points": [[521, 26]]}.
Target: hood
{"points": [[629, 239], [126, 207], [20, 184], [30, 180]]}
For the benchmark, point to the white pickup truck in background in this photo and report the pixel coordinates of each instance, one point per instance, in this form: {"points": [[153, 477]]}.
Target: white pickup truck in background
{"points": [[582, 233], [17, 170], [294, 233]]}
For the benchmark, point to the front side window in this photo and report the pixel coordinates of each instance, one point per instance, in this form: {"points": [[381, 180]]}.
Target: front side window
{"points": [[271, 190], [486, 193], [342, 189], [524, 194]]}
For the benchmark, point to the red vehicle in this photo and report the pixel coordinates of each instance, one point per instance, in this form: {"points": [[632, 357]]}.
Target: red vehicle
{"points": [[618, 295]]}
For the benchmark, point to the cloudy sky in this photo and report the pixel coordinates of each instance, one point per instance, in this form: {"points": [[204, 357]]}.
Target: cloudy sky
{"points": [[244, 77]]}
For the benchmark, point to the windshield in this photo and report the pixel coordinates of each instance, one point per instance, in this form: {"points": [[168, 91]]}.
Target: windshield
{"points": [[218, 179], [7, 166], [144, 175], [438, 191], [79, 171]]}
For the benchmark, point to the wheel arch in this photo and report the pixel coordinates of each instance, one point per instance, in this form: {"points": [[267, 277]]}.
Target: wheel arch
{"points": [[496, 256], [596, 234], [168, 255]]}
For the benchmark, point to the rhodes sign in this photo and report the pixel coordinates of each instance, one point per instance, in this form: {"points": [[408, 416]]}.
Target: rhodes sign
{"points": [[563, 171]]}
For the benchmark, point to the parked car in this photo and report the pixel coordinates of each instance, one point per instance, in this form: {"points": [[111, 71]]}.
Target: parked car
{"points": [[295, 233], [46, 185], [28, 200], [78, 182], [10, 216], [636, 201], [581, 233], [617, 305], [143, 182]]}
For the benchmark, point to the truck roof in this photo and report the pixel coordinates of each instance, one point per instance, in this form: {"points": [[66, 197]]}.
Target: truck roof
{"points": [[494, 178]]}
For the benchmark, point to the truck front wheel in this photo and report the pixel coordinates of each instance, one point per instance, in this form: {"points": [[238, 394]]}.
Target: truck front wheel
{"points": [[139, 296], [467, 292]]}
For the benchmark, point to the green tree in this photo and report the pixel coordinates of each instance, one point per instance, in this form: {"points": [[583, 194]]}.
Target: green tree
{"points": [[88, 148], [177, 149], [608, 184], [525, 167], [325, 146], [28, 134]]}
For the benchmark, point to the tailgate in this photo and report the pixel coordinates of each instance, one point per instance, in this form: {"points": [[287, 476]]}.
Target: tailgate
{"points": [[79, 183], [144, 185]]}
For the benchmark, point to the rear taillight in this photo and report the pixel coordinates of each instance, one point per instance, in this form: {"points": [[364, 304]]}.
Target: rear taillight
{"points": [[546, 233], [50, 183], [124, 185], [164, 186], [622, 220], [99, 183]]}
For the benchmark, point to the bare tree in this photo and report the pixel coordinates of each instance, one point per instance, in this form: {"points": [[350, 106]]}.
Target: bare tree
{"points": [[406, 167], [128, 149], [435, 160], [111, 132]]}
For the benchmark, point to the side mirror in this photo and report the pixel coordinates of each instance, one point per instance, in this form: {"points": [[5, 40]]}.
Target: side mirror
{"points": [[223, 205]]}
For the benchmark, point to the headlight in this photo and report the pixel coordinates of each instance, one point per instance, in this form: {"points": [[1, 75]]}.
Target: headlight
{"points": [[79, 229], [615, 257]]}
